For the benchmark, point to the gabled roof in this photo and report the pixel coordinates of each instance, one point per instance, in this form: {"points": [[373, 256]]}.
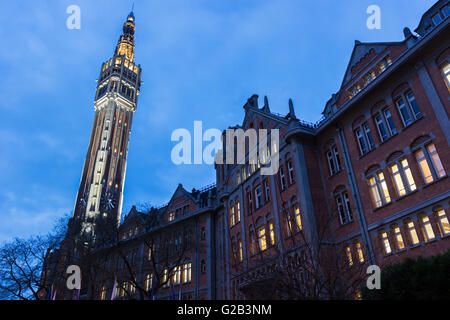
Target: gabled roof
{"points": [[360, 50], [179, 192]]}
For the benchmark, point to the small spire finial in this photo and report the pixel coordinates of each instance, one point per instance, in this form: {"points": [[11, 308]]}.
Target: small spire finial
{"points": [[291, 109]]}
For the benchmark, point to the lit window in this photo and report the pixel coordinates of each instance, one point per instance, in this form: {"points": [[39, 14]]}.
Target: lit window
{"points": [[398, 180], [427, 229], [238, 212], [187, 267], [408, 175], [148, 281], [103, 293], [399, 238], [238, 177], [382, 65], [165, 281], [402, 177], [241, 251], [271, 233], [446, 73], [379, 190], [374, 192], [177, 275], [360, 252], [443, 222], [348, 251], [412, 233], [232, 218], [298, 217], [436, 161], [171, 216], [424, 168], [385, 242], [262, 238]]}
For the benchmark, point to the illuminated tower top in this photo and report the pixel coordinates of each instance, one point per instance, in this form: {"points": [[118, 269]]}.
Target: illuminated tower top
{"points": [[125, 46]]}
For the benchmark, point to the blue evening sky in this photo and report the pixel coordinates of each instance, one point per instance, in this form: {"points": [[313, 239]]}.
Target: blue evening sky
{"points": [[201, 60]]}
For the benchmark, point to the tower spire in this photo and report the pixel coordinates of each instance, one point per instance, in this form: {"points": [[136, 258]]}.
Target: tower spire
{"points": [[125, 46], [101, 188]]}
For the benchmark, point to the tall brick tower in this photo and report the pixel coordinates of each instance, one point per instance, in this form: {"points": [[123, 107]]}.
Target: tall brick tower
{"points": [[101, 188]]}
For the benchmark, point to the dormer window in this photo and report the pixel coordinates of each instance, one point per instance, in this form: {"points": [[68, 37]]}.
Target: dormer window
{"points": [[446, 11], [436, 19]]}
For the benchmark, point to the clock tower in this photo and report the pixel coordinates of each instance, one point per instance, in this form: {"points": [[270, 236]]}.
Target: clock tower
{"points": [[102, 181]]}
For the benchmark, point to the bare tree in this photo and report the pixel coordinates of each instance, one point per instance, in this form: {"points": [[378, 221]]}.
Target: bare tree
{"points": [[22, 263]]}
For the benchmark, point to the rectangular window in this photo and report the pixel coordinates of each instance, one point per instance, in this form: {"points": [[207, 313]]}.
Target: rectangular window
{"points": [[446, 11], [165, 276], [424, 167], [399, 238], [413, 104], [390, 122], [436, 19], [443, 222], [177, 275], [376, 198], [446, 73], [266, 188], [412, 233], [171, 216], [282, 179], [331, 164], [187, 267], [368, 136], [348, 252], [360, 252], [289, 229], [382, 129], [406, 118], [291, 172], [232, 218], [385, 242], [241, 251], [238, 212], [149, 281], [249, 202], [427, 229], [381, 182], [271, 233], [361, 141], [298, 217], [436, 161], [258, 197], [408, 175], [262, 238], [398, 182]]}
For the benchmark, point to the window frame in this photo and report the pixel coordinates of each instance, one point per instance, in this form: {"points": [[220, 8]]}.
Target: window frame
{"points": [[409, 108]]}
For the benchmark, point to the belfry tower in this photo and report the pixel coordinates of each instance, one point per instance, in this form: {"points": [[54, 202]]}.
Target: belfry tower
{"points": [[102, 182]]}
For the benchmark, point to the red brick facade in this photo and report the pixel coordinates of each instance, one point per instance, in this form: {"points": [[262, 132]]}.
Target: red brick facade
{"points": [[374, 172]]}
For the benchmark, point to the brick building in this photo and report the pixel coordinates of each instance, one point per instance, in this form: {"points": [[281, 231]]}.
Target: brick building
{"points": [[367, 184]]}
